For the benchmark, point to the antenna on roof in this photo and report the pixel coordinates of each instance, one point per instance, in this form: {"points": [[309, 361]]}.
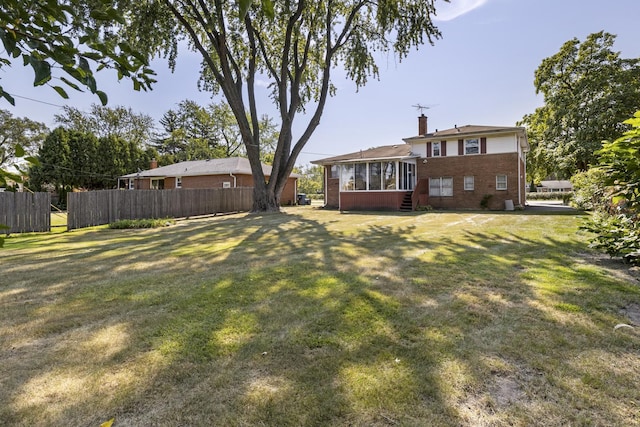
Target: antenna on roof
{"points": [[421, 107]]}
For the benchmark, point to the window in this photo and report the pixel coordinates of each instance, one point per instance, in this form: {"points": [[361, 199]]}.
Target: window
{"points": [[360, 170], [178, 182], [131, 184], [469, 183], [441, 187], [389, 175], [334, 171], [347, 178], [157, 183], [471, 146], [435, 149], [375, 176], [501, 182], [226, 184]]}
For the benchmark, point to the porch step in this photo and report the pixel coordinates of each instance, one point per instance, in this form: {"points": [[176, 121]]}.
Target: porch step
{"points": [[407, 204]]}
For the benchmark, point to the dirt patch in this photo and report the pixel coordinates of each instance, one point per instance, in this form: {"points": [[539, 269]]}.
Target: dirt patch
{"points": [[632, 312], [506, 390], [613, 266]]}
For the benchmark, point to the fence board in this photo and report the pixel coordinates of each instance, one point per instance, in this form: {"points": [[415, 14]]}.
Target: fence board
{"points": [[92, 208], [25, 212]]}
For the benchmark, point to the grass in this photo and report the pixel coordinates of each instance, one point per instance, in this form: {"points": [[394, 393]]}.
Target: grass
{"points": [[318, 318]]}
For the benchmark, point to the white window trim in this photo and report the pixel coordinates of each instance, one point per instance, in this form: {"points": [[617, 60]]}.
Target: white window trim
{"points": [[499, 184], [465, 146], [435, 144], [157, 181], [178, 182], [473, 183], [440, 179]]}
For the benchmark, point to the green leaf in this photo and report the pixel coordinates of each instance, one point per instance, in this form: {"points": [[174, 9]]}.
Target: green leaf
{"points": [[61, 92], [102, 96], [268, 9], [244, 7], [42, 70], [8, 97], [19, 150], [70, 83], [33, 160]]}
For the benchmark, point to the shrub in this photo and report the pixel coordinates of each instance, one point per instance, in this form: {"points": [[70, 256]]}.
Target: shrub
{"points": [[142, 223], [589, 190], [548, 195], [484, 203], [617, 235]]}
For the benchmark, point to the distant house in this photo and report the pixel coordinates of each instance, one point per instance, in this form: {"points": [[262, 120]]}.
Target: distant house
{"points": [[553, 186], [213, 173], [455, 168]]}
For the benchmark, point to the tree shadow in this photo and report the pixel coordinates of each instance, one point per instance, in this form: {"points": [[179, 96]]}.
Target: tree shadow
{"points": [[291, 320]]}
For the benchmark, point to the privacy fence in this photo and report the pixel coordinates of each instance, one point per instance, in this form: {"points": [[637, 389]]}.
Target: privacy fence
{"points": [[25, 212], [103, 207]]}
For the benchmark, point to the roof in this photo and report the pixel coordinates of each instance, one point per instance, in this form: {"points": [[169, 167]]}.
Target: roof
{"points": [[397, 151], [230, 165], [469, 130], [556, 184]]}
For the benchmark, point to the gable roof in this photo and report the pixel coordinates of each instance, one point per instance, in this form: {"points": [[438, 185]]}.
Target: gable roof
{"points": [[230, 165], [385, 152]]}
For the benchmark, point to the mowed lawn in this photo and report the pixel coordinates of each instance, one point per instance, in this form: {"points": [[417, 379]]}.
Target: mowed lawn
{"points": [[319, 318]]}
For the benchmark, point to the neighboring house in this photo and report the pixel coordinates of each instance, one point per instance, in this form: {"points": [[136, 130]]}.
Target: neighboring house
{"points": [[554, 186], [213, 173], [455, 168]]}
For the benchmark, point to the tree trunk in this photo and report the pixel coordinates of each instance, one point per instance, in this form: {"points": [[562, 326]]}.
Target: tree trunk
{"points": [[264, 200]]}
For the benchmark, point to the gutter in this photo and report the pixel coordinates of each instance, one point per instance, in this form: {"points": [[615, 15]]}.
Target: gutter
{"points": [[234, 179]]}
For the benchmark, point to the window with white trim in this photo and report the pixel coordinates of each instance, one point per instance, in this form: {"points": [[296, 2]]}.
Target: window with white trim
{"points": [[435, 149], [469, 183], [501, 182], [178, 182], [472, 146], [441, 187], [157, 183]]}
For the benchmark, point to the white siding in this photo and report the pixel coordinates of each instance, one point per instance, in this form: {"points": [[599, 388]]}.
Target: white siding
{"points": [[419, 148], [502, 144]]}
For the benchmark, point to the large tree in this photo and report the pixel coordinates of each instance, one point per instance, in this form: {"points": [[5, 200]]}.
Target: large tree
{"points": [[194, 132], [293, 44], [61, 39], [588, 91], [101, 121], [22, 134]]}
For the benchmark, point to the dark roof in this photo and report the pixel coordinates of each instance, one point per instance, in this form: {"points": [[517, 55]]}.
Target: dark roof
{"points": [[467, 130], [398, 151], [231, 165]]}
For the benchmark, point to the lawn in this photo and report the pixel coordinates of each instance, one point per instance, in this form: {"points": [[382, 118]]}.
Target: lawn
{"points": [[320, 318]]}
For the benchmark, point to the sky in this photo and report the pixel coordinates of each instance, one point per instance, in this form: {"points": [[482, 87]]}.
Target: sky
{"points": [[480, 72]]}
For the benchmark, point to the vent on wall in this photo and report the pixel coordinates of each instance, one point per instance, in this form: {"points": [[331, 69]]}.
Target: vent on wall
{"points": [[226, 184]]}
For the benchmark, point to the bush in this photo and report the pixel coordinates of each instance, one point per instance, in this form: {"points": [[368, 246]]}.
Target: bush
{"points": [[617, 235], [548, 195], [589, 190], [142, 223]]}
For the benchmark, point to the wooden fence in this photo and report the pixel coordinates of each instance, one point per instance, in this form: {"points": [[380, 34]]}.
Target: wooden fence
{"points": [[91, 208], [25, 212]]}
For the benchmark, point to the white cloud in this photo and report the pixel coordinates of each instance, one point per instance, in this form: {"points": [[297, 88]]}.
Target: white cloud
{"points": [[450, 11]]}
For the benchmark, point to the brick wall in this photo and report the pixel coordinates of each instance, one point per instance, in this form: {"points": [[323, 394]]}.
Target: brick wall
{"points": [[484, 169]]}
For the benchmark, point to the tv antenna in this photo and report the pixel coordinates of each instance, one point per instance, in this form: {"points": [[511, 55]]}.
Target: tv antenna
{"points": [[421, 107]]}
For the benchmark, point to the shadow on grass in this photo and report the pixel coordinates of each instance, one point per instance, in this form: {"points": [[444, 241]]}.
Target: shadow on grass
{"points": [[300, 320]]}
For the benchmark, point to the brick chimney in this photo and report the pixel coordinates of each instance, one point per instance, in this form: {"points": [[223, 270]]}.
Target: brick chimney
{"points": [[153, 164], [422, 125]]}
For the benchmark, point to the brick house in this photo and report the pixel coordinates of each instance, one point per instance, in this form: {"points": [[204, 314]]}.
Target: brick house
{"points": [[212, 173], [466, 167]]}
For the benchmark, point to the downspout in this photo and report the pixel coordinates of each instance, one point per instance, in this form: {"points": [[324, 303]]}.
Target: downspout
{"points": [[234, 179]]}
